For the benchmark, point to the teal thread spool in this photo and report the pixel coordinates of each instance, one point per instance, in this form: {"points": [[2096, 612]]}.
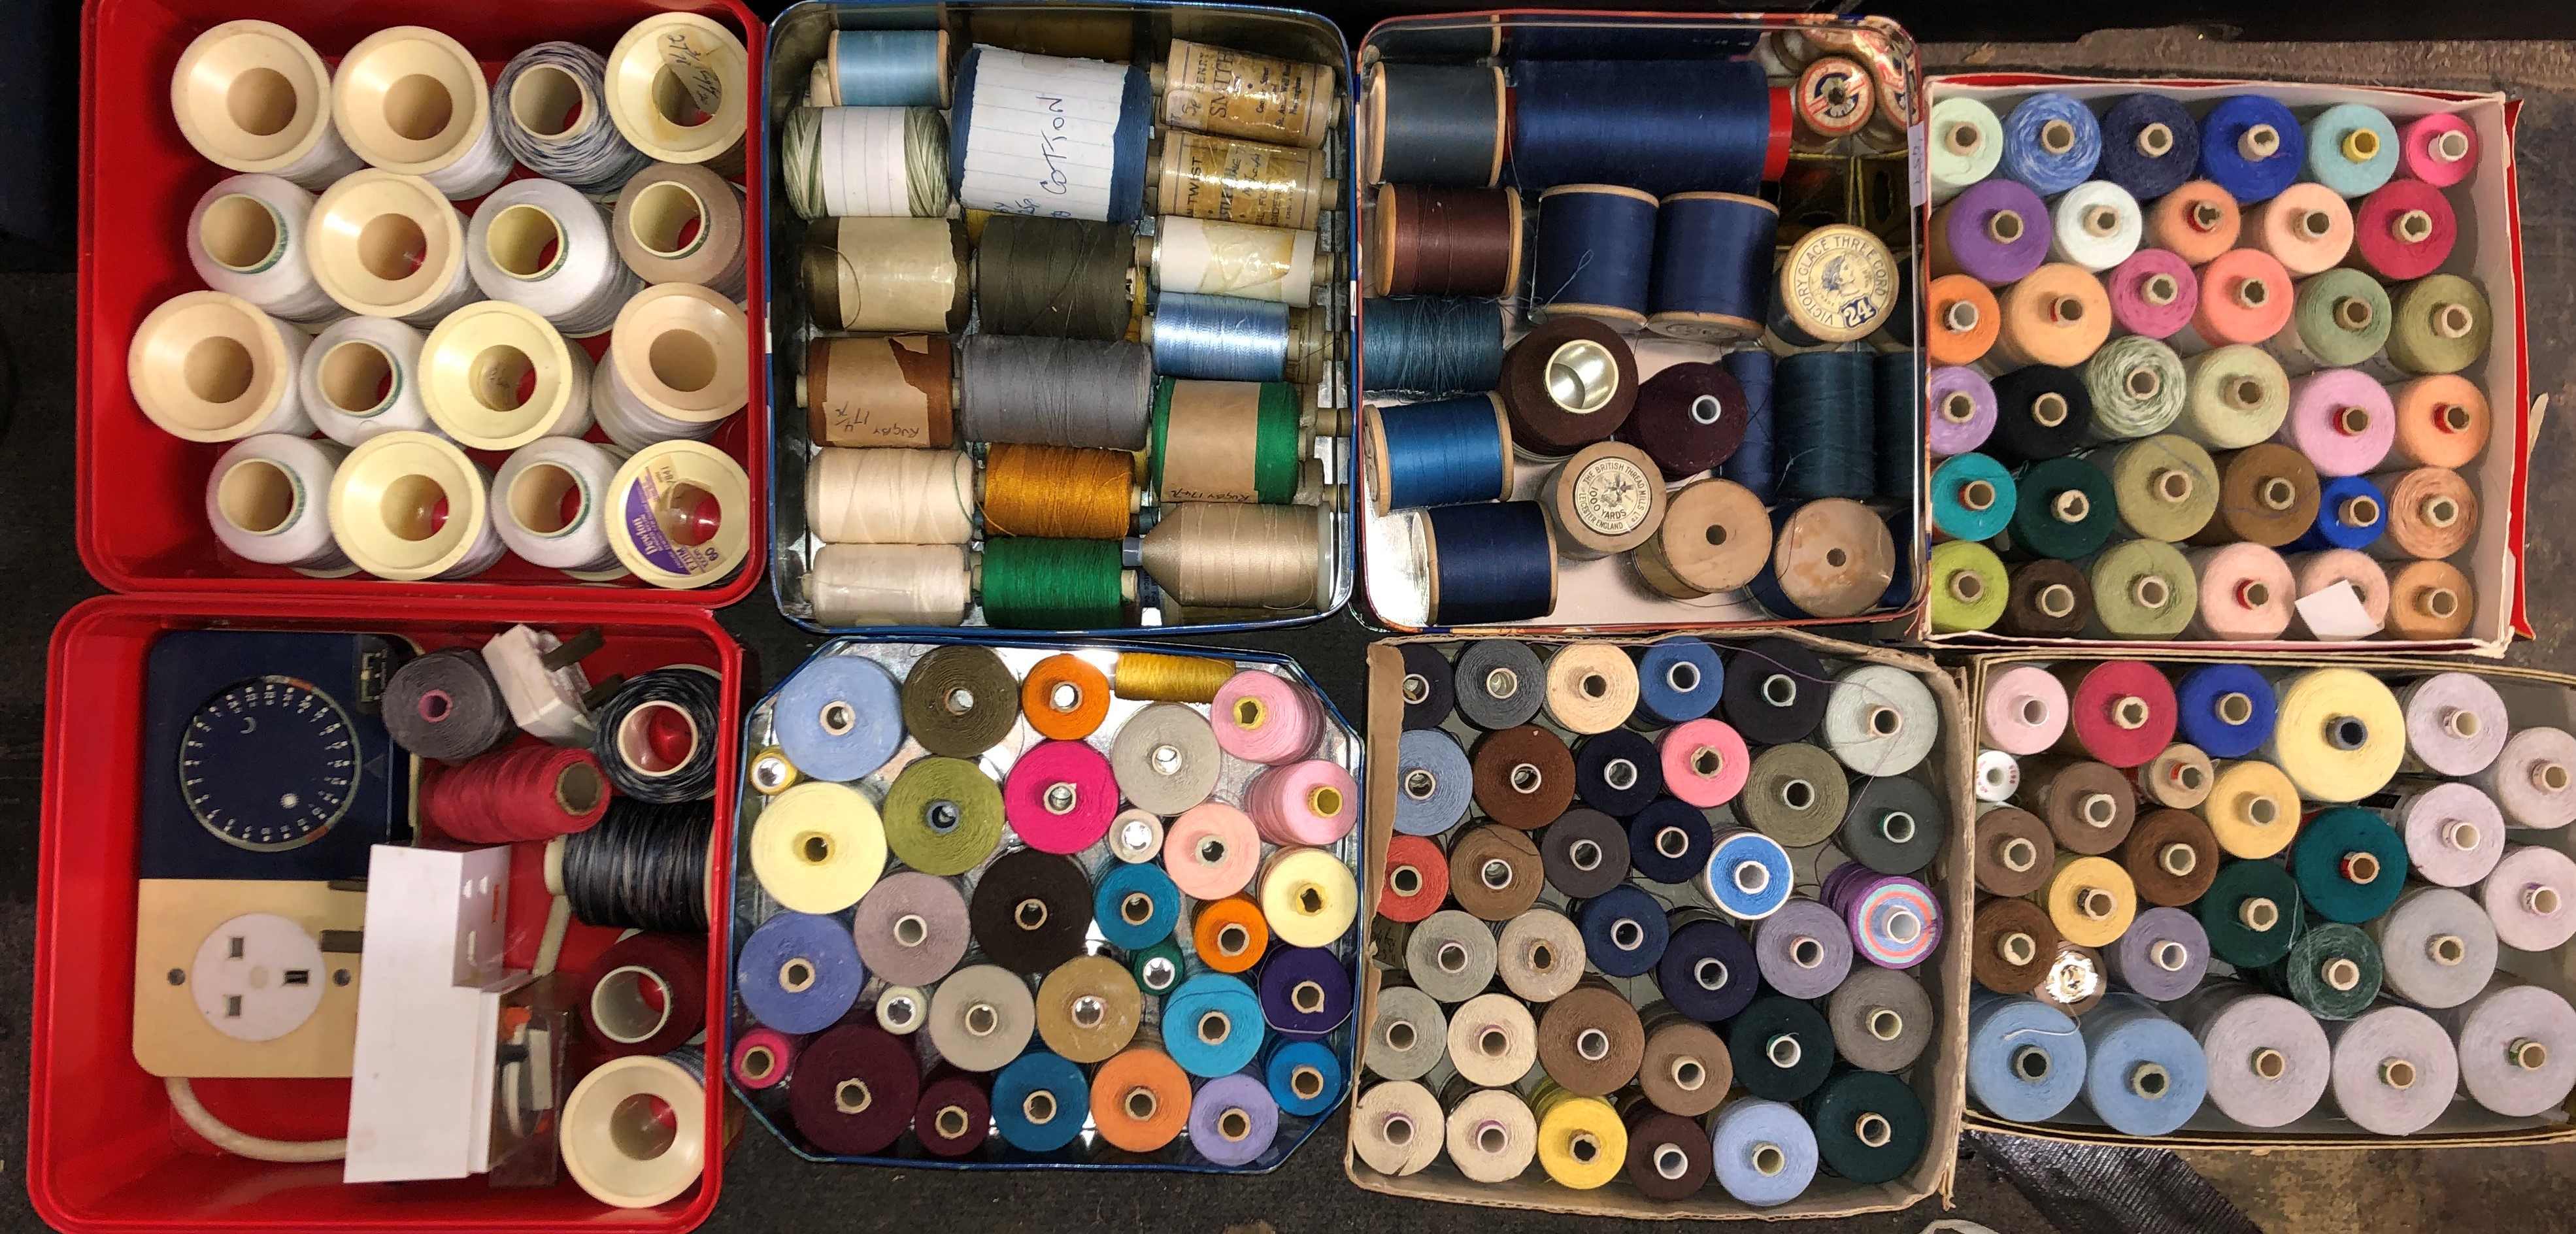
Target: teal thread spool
{"points": [[2252, 913], [2333, 971], [1973, 497], [2065, 509], [2350, 864]]}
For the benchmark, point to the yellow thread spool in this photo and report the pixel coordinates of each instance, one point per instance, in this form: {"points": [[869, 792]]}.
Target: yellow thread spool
{"points": [[2090, 899], [818, 847], [1152, 677]]}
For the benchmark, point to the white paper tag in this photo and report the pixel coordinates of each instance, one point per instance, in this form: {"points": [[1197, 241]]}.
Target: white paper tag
{"points": [[1916, 168], [2334, 613], [1043, 136]]}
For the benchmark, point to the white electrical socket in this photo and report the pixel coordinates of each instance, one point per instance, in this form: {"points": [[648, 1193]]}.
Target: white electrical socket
{"points": [[544, 701], [258, 977]]}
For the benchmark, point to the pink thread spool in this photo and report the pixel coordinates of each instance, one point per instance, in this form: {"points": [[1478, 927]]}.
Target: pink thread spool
{"points": [[2024, 710], [763, 1057], [2308, 229], [2440, 150], [2314, 572], [1060, 797], [1704, 762], [2153, 293], [2341, 419], [2245, 297], [2245, 593], [2404, 231], [1211, 850], [1265, 718], [1313, 802]]}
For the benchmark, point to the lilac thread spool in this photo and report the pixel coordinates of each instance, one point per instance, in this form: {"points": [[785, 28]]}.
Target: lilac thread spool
{"points": [[1996, 233], [1963, 410]]}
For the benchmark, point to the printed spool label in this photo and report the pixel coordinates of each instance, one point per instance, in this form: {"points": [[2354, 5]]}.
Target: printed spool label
{"points": [[1841, 282], [1220, 90], [1833, 99], [651, 500], [1240, 182], [1613, 496], [1043, 139]]}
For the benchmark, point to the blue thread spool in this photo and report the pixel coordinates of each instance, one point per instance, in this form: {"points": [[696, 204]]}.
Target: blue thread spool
{"points": [[2252, 147], [1595, 257], [1443, 453], [1766, 592], [2351, 513], [2051, 143], [2143, 1073], [1751, 464], [1708, 971], [1618, 772], [1961, 509], [1669, 841], [1712, 267], [1282, 1069], [1896, 403], [1431, 347], [1660, 126], [1500, 567], [1729, 880], [1437, 124], [2026, 1061], [889, 68], [2225, 709], [2150, 145], [1123, 893], [1624, 931], [1212, 1025], [1678, 680], [1604, 41], [838, 718], [1762, 1152], [799, 973], [1434, 782], [2352, 149], [1823, 420], [1218, 338], [1017, 1092]]}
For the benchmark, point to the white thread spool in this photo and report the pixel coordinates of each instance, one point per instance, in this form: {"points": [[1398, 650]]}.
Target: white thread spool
{"points": [[390, 245], [677, 223], [411, 506], [889, 496], [361, 377], [676, 88], [1234, 259], [207, 366], [268, 501], [412, 100], [543, 245], [246, 238], [496, 376], [680, 364], [253, 96], [614, 1142], [2096, 225], [862, 162], [890, 585], [550, 503], [683, 514]]}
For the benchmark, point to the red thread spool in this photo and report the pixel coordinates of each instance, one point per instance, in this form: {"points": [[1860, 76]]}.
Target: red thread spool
{"points": [[954, 1113], [646, 994], [2122, 712], [855, 1089], [2404, 231], [1429, 879], [527, 792]]}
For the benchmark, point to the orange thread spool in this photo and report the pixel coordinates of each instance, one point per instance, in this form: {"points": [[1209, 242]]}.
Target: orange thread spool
{"points": [[2198, 222], [1065, 698], [2245, 297], [2059, 315], [1234, 920], [2442, 421], [1963, 321], [1140, 1100]]}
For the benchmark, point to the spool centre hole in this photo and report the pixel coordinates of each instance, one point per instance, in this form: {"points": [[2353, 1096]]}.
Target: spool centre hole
{"points": [[1406, 880], [2360, 868], [1211, 851], [259, 497], [1689, 1074], [1584, 855], [1807, 953], [1710, 974], [260, 101], [1768, 1160], [2542, 900], [2049, 410], [1526, 778], [1671, 1162], [2178, 860], [1141, 1104], [1136, 909], [1452, 958], [1417, 688], [1898, 827], [2057, 136], [1583, 1148], [1214, 1027], [1960, 407], [1542, 958], [2031, 1063], [1903, 926], [1705, 409], [1705, 762], [2451, 147], [2130, 711], [219, 370], [1494, 1042], [982, 1019], [1502, 683], [1873, 1130], [2159, 289], [815, 848], [239, 231], [899, 1014], [2018, 854], [2354, 314], [2461, 836], [1306, 1082], [2098, 809], [1088, 1011], [1496, 874], [1886, 721], [2551, 777], [2263, 811], [1752, 877], [2017, 948], [2005, 227], [1798, 795], [632, 1003], [2101, 220], [1627, 935], [1783, 1051], [2259, 914], [2340, 973], [675, 101], [668, 219], [1779, 690], [2057, 600], [1620, 774], [910, 930], [757, 1062], [2398, 1074], [951, 1122], [546, 101], [391, 247], [796, 976], [1233, 940], [1886, 1024], [851, 1096], [417, 107], [1030, 914], [2155, 140], [2529, 1055], [1061, 797], [1233, 1124], [2150, 1081], [1398, 1130], [2096, 904], [1400, 1035], [1673, 842], [1039, 1107], [1977, 495], [2453, 321], [1582, 376]]}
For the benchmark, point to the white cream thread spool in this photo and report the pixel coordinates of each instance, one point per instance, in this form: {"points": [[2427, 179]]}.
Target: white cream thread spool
{"points": [[361, 377], [679, 366], [543, 245], [680, 223], [550, 503], [207, 366], [677, 87], [890, 584], [682, 514], [1234, 259], [390, 245], [615, 1143], [253, 96], [385, 503], [497, 376], [410, 99], [246, 238], [268, 501], [890, 496]]}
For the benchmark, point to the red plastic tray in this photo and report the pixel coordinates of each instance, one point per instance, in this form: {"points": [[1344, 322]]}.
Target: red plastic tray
{"points": [[142, 522], [104, 1150]]}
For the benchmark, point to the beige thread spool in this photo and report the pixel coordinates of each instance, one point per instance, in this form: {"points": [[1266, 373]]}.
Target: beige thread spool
{"points": [[1608, 498], [384, 509], [496, 376], [413, 101], [1591, 687], [253, 96], [684, 514], [615, 1142], [206, 366], [1207, 177], [678, 367], [889, 275], [890, 584], [1714, 537], [678, 87], [680, 223], [1234, 259], [1243, 94], [390, 245]]}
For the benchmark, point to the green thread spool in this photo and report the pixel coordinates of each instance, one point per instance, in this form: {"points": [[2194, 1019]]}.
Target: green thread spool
{"points": [[2137, 388], [2334, 971], [2342, 317], [1870, 1126], [943, 816], [1968, 587], [2143, 589], [2350, 864], [1158, 969], [2066, 509], [1035, 584], [2165, 486], [2235, 396], [1213, 419], [2443, 325], [2252, 913]]}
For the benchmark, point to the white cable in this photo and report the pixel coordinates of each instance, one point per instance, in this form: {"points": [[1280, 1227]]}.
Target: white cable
{"points": [[208, 366], [246, 238], [361, 377], [550, 947], [411, 100], [551, 108], [550, 502], [268, 499], [543, 245], [245, 75], [183, 1098], [2094, 225], [678, 367]]}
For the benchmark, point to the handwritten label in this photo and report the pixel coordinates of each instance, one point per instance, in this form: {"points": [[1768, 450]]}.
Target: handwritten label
{"points": [[1043, 135], [692, 57]]}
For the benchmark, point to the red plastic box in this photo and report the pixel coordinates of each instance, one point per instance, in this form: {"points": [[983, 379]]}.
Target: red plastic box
{"points": [[142, 523], [104, 1150]]}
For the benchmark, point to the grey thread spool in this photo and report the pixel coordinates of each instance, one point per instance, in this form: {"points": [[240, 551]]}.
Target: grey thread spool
{"points": [[1450, 956], [1054, 392], [1408, 1036], [1882, 1018], [1500, 684]]}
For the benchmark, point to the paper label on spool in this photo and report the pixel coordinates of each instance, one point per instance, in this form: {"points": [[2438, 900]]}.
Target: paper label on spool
{"points": [[2335, 613], [1840, 283], [1240, 182], [692, 56], [1221, 90], [1612, 496], [1209, 443], [1044, 135], [876, 392], [648, 499]]}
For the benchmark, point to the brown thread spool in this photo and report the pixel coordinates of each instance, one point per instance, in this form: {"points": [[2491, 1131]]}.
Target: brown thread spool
{"points": [[2432, 513], [2075, 980], [1608, 498], [1524, 776], [897, 390], [1715, 536], [1060, 278], [1495, 872], [2015, 852], [1834, 558], [1685, 1069], [2012, 945], [1567, 384], [2430, 600], [2172, 856], [2090, 807], [2267, 494], [1447, 241], [2047, 598], [1591, 1041]]}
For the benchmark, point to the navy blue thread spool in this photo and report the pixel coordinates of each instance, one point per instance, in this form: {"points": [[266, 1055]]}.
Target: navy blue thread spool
{"points": [[2150, 145], [1660, 126], [1431, 346], [1897, 401], [1595, 254], [1439, 124], [1823, 420], [2252, 147], [2051, 143], [1751, 464], [1712, 266], [1221, 338], [1449, 452], [1500, 566]]}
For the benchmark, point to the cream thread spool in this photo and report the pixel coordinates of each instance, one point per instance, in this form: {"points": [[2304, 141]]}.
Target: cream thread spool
{"points": [[411, 100], [677, 88], [246, 238], [543, 245], [677, 368], [890, 584], [390, 245], [615, 1142], [1234, 259], [206, 366], [550, 504], [683, 514], [253, 96], [361, 377], [386, 509], [891, 496], [267, 501], [680, 223], [496, 376]]}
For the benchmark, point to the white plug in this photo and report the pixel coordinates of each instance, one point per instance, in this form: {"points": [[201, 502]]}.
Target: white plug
{"points": [[541, 677], [258, 977]]}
